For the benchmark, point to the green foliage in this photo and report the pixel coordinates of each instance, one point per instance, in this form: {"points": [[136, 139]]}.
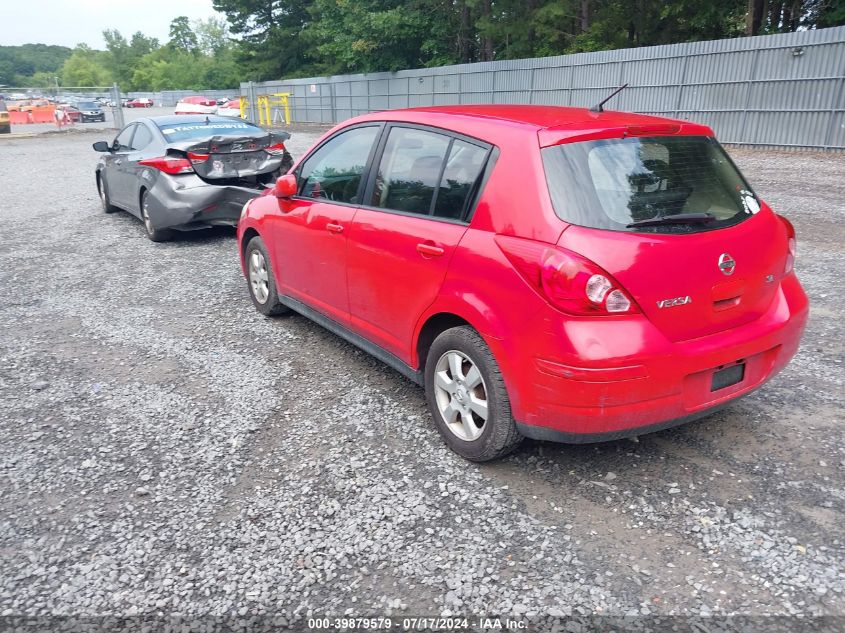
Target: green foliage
{"points": [[85, 67], [182, 36], [124, 56], [198, 56], [369, 35], [288, 38], [18, 64]]}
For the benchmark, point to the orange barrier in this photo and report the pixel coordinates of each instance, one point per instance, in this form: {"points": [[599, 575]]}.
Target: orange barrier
{"points": [[38, 114]]}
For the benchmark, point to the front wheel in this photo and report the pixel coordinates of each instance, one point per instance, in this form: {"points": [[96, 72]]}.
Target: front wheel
{"points": [[467, 396], [259, 276], [155, 234]]}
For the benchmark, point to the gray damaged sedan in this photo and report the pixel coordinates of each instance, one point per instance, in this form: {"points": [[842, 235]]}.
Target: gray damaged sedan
{"points": [[188, 172]]}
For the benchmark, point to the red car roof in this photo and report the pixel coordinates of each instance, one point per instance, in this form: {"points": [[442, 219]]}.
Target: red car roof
{"points": [[555, 124]]}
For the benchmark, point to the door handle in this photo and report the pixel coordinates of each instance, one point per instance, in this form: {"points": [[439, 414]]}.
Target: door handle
{"points": [[334, 228], [429, 250]]}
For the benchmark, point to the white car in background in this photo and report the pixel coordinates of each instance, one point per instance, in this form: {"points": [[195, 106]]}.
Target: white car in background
{"points": [[196, 105], [231, 108]]}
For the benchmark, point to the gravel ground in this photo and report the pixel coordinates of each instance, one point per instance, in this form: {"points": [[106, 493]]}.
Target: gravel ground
{"points": [[167, 450]]}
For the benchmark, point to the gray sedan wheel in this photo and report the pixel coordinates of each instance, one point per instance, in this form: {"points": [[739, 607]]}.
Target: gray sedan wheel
{"points": [[155, 234]]}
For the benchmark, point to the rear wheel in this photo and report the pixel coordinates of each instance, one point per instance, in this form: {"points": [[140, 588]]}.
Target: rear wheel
{"points": [[467, 396], [259, 276], [155, 234], [108, 207]]}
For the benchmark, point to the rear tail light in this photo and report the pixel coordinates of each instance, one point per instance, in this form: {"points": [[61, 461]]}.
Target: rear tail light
{"points": [[197, 158], [169, 165], [276, 150], [568, 281], [792, 246]]}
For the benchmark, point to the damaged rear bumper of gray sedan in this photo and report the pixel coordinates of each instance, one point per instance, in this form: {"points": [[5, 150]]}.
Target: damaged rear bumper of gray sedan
{"points": [[190, 203]]}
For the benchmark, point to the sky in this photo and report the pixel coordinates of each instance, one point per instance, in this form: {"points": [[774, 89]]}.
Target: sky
{"points": [[70, 22]]}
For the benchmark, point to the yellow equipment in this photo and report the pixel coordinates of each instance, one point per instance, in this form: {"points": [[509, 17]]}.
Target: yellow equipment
{"points": [[265, 104]]}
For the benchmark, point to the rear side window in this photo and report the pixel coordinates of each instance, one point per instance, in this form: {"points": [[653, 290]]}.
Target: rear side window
{"points": [[614, 184], [410, 169], [187, 131], [334, 171], [463, 167]]}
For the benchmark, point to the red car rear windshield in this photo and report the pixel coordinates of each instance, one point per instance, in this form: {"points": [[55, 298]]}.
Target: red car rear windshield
{"points": [[664, 184], [187, 131]]}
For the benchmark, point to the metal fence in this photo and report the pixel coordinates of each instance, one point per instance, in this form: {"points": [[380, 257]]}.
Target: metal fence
{"points": [[169, 98], [784, 90]]}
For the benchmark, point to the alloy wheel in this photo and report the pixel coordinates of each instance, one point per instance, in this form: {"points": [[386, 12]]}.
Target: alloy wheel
{"points": [[259, 278], [145, 213], [461, 395]]}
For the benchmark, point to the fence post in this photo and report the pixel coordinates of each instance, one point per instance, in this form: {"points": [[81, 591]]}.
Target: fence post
{"points": [[117, 108], [253, 106]]}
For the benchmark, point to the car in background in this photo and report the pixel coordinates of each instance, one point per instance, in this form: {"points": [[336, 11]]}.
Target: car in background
{"points": [[187, 172], [230, 108], [72, 112], [90, 111], [196, 105], [558, 273], [5, 122], [141, 102]]}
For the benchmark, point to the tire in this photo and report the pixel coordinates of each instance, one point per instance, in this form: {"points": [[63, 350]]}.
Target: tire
{"points": [[103, 190], [469, 434], [262, 286], [155, 234]]}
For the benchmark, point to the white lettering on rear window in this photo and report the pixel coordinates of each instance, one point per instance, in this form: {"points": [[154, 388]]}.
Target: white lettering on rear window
{"points": [[209, 126]]}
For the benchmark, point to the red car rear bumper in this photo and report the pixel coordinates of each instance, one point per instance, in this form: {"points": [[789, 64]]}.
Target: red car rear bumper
{"points": [[656, 383]]}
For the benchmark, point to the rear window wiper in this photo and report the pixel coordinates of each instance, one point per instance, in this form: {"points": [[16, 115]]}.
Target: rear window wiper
{"points": [[678, 218]]}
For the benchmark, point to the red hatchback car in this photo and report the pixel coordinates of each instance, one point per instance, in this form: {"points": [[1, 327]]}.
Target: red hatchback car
{"points": [[555, 273]]}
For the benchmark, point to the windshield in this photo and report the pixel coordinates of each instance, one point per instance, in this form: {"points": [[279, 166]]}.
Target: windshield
{"points": [[88, 105], [187, 131], [616, 184]]}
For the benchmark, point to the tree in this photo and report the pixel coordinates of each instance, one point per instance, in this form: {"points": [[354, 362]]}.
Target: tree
{"points": [[272, 43], [182, 36], [85, 67], [124, 56], [368, 35], [19, 64], [212, 36]]}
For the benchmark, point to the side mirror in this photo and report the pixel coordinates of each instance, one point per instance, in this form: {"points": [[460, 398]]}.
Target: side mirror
{"points": [[286, 186], [101, 146]]}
